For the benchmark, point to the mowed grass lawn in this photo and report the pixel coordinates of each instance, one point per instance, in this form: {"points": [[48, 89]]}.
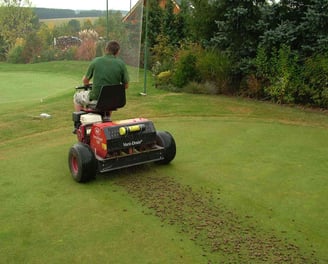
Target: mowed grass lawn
{"points": [[248, 184]]}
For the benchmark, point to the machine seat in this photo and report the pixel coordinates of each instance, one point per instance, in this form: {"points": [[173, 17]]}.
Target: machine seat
{"points": [[111, 97]]}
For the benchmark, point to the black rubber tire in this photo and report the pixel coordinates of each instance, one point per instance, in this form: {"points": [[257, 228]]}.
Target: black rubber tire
{"points": [[82, 163], [166, 140]]}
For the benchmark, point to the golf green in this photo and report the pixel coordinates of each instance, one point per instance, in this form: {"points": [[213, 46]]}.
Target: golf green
{"points": [[21, 86]]}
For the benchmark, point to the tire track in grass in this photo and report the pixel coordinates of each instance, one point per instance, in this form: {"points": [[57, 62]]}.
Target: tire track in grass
{"points": [[223, 236]]}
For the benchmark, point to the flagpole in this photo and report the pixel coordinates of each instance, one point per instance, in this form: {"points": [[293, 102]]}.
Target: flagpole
{"points": [[107, 21], [146, 49]]}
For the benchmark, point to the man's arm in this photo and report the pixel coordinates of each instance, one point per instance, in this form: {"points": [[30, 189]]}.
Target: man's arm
{"points": [[88, 76]]}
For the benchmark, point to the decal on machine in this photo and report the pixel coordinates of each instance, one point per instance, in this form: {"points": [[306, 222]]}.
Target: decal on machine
{"points": [[132, 143]]}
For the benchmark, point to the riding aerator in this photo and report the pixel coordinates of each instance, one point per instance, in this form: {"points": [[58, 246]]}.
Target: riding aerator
{"points": [[104, 145]]}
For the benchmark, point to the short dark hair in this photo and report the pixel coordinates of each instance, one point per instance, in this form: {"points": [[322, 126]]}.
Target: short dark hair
{"points": [[112, 47]]}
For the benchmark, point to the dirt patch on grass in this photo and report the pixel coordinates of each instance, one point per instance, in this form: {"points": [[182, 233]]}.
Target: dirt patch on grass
{"points": [[240, 110], [223, 236]]}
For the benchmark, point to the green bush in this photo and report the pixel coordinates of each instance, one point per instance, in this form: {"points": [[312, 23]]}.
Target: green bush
{"points": [[162, 55], [3, 49], [45, 55], [192, 65], [163, 79], [185, 70], [316, 79], [214, 67], [15, 55], [68, 54], [277, 73], [278, 91], [324, 97], [100, 47], [286, 79]]}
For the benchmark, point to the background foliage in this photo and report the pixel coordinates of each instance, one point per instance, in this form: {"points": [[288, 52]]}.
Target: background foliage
{"points": [[268, 50]]}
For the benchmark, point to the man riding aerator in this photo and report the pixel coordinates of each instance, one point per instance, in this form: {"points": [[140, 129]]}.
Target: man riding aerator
{"points": [[105, 145]]}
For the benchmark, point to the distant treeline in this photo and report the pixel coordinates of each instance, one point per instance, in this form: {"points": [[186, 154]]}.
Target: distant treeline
{"points": [[50, 13]]}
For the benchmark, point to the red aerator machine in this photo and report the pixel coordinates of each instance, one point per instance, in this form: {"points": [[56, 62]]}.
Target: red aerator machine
{"points": [[104, 145]]}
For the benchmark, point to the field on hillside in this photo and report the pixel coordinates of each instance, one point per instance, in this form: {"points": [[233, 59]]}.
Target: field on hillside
{"points": [[59, 21], [248, 184]]}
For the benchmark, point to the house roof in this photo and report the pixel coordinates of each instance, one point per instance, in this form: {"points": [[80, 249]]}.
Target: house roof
{"points": [[131, 12]]}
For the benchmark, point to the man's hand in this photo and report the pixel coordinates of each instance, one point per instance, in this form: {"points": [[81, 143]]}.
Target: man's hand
{"points": [[85, 81]]}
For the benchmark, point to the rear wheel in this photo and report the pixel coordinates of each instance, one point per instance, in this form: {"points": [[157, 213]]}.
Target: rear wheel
{"points": [[166, 140], [82, 163]]}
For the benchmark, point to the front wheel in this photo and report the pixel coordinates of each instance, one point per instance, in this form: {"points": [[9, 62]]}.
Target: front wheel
{"points": [[82, 163], [166, 140]]}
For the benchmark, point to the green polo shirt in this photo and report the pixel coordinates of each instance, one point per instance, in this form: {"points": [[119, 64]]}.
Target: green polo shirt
{"points": [[106, 70]]}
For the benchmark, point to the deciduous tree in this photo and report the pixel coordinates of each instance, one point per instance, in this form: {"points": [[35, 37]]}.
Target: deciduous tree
{"points": [[17, 20]]}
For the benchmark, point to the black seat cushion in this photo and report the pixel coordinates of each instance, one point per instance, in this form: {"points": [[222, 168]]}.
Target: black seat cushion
{"points": [[110, 98]]}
